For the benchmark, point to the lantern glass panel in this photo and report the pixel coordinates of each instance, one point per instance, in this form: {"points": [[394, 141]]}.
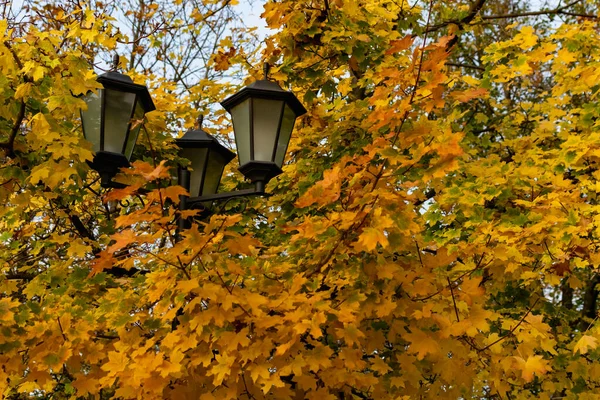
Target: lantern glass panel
{"points": [[91, 118], [118, 109], [134, 130], [267, 114], [214, 170], [197, 165], [285, 134], [240, 114]]}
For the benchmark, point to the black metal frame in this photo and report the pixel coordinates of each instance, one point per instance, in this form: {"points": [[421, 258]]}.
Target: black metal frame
{"points": [[183, 180], [108, 164], [189, 203]]}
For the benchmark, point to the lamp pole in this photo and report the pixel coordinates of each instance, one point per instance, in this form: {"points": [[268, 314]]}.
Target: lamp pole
{"points": [[183, 180]]}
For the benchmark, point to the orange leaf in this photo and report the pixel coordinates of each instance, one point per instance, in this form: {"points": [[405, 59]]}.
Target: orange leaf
{"points": [[399, 45], [467, 95]]}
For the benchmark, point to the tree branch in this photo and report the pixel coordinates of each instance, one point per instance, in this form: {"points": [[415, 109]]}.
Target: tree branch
{"points": [[467, 66], [556, 11], [512, 330], [453, 299], [9, 144], [473, 11]]}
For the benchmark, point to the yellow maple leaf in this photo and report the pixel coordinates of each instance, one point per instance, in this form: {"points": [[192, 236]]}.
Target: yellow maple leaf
{"points": [[242, 244], [526, 38], [259, 371], [187, 286], [168, 368], [117, 363], [371, 237], [535, 365], [422, 344], [39, 173], [466, 95], [584, 344], [6, 315], [85, 385], [283, 348], [38, 73], [222, 369], [378, 365], [270, 381]]}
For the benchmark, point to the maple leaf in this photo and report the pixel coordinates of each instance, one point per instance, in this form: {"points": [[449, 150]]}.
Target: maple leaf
{"points": [[273, 380], [534, 365], [378, 365], [117, 362], [188, 285], [85, 385], [306, 382], [168, 368], [422, 344], [259, 371], [242, 244], [470, 94], [400, 44], [371, 237], [104, 261], [122, 239], [39, 173], [222, 368], [585, 343], [222, 59]]}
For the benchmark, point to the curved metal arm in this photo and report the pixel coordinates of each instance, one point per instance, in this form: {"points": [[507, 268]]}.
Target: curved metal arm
{"points": [[258, 190]]}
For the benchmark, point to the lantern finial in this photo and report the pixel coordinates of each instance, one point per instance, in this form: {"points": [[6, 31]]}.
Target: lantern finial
{"points": [[266, 68], [115, 64], [200, 120]]}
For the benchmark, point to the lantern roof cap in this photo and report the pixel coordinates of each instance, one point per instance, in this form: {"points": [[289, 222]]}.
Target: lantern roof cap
{"points": [[265, 89], [121, 82], [198, 138]]}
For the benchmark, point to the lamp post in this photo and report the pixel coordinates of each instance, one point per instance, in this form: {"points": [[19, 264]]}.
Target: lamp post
{"points": [[263, 117], [113, 120]]}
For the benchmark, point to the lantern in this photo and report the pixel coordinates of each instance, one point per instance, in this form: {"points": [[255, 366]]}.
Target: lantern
{"points": [[113, 120], [263, 117], [207, 159]]}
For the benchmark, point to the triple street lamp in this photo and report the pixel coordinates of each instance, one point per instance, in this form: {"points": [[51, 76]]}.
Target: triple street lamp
{"points": [[263, 117]]}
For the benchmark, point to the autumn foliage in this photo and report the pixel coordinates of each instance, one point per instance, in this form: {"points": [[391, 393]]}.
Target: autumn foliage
{"points": [[433, 234]]}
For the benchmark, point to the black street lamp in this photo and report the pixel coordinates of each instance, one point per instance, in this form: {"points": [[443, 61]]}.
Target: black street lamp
{"points": [[207, 159], [263, 117], [113, 120]]}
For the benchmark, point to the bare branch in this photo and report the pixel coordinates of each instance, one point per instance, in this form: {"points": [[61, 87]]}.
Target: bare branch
{"points": [[556, 11], [467, 66]]}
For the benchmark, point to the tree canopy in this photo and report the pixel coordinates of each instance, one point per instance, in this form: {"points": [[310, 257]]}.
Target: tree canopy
{"points": [[433, 234]]}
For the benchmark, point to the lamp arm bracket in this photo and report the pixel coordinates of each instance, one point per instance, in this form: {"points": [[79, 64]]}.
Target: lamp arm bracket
{"points": [[257, 191]]}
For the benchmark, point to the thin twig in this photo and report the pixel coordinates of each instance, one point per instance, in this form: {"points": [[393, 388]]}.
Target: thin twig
{"points": [[62, 332], [512, 330], [467, 66], [450, 285]]}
